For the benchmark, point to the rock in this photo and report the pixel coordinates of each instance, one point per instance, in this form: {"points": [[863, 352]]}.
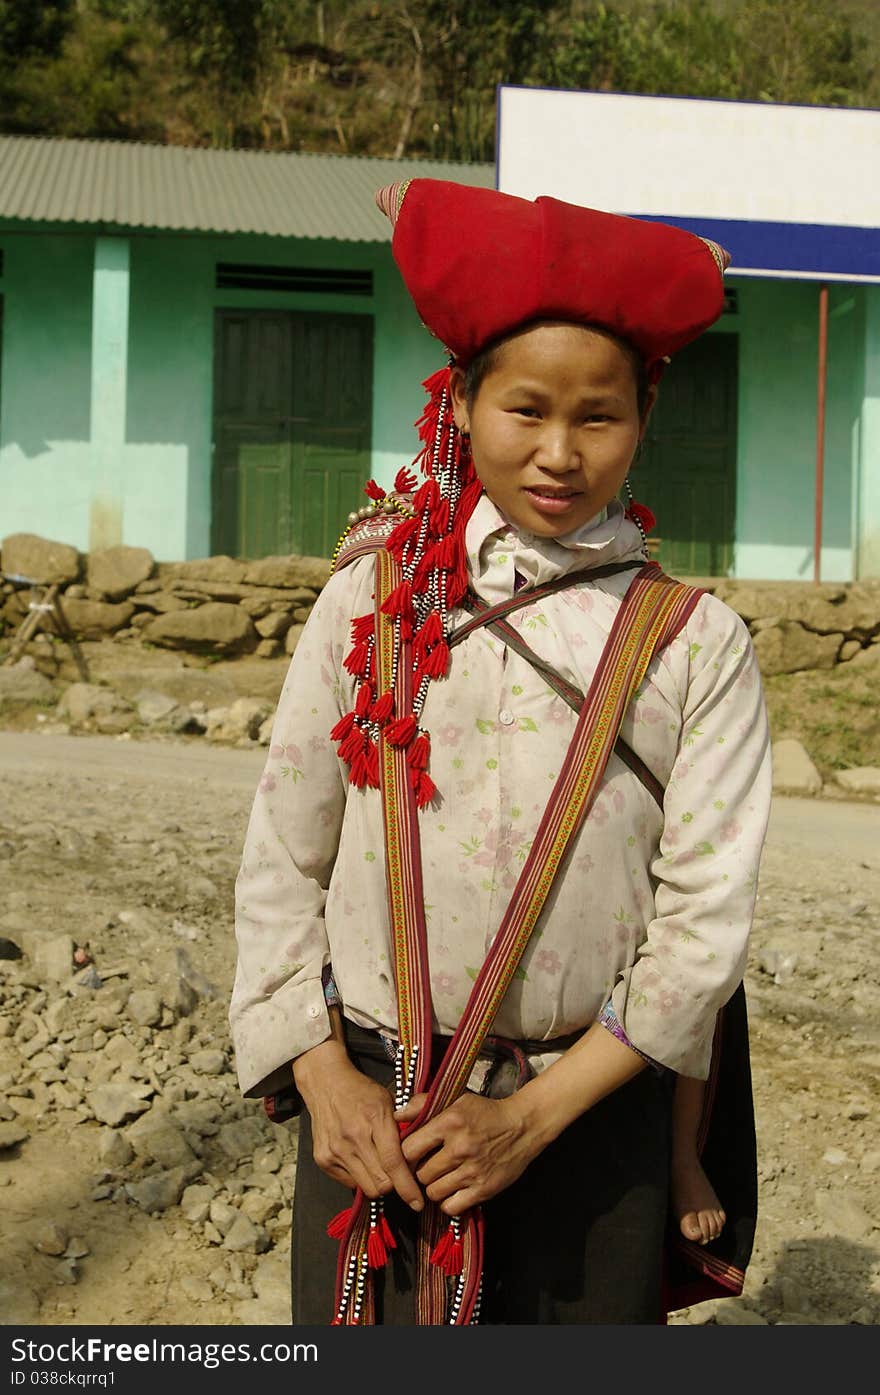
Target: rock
{"points": [[835, 1156], [271, 1283], [114, 1150], [241, 1138], [843, 1215], [20, 687], [153, 706], [288, 572], [793, 771], [264, 735], [158, 603], [788, 647], [242, 719], [848, 650], [39, 559], [211, 1061], [195, 1202], [274, 625], [863, 779], [215, 626], [196, 1290], [49, 1239], [144, 1007], [219, 568], [95, 619], [82, 702], [116, 571], [155, 1135], [12, 1134], [115, 1104], [163, 1190], [52, 955], [246, 1237], [732, 1313]]}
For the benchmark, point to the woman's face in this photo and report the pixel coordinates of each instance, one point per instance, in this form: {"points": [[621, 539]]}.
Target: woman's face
{"points": [[554, 425]]}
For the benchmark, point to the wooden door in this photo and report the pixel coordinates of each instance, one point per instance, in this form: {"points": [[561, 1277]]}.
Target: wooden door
{"points": [[687, 471], [292, 429]]}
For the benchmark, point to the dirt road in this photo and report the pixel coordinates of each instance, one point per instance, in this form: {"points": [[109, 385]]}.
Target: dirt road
{"points": [[130, 848]]}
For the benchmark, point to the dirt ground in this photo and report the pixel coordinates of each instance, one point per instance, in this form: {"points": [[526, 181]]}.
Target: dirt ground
{"points": [[131, 846]]}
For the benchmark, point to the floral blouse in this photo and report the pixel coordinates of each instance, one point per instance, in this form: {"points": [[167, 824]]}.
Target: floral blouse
{"points": [[653, 907]]}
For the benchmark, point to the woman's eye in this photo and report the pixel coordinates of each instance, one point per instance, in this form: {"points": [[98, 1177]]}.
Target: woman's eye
{"points": [[526, 411]]}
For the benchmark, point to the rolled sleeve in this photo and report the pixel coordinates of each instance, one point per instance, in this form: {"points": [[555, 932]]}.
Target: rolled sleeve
{"points": [[716, 809], [277, 1008]]}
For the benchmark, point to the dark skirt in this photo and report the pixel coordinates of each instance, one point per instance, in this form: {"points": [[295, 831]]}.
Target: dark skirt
{"points": [[578, 1238]]}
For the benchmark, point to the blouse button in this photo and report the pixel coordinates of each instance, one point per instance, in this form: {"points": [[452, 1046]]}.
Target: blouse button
{"points": [[314, 1010], [506, 717]]}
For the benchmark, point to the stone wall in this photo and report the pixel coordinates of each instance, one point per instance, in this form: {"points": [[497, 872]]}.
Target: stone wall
{"points": [[228, 606]]}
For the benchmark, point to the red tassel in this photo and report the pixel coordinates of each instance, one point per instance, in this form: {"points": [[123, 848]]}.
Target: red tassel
{"points": [[437, 661], [399, 601], [383, 707], [402, 731], [339, 1224], [444, 553], [343, 727], [427, 496], [374, 491], [376, 1252], [363, 700], [420, 752], [352, 745], [424, 787], [362, 628], [454, 1258], [357, 776], [439, 517], [372, 755], [441, 1249], [405, 481], [402, 534], [432, 630], [640, 513], [387, 1233], [356, 661]]}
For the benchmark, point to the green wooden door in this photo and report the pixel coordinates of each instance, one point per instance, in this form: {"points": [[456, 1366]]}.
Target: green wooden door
{"points": [[687, 471], [292, 429]]}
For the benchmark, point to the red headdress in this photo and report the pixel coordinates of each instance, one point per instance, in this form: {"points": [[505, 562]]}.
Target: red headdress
{"points": [[478, 265]]}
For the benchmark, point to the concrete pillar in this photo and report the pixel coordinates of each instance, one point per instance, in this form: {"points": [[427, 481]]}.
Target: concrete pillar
{"points": [[110, 296]]}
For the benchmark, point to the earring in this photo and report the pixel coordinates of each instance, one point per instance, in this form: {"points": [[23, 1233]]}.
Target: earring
{"points": [[639, 514]]}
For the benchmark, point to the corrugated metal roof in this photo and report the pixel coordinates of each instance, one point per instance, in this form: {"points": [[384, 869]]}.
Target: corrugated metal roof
{"points": [[132, 185]]}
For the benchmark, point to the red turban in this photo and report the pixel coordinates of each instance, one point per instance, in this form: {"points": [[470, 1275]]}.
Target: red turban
{"points": [[479, 264]]}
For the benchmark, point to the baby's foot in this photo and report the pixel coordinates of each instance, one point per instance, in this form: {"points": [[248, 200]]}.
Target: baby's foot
{"points": [[699, 1212]]}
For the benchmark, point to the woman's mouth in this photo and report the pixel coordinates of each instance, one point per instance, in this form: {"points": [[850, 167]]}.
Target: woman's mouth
{"points": [[551, 502]]}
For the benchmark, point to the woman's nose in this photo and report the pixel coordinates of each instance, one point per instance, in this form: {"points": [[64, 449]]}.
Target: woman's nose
{"points": [[557, 450]]}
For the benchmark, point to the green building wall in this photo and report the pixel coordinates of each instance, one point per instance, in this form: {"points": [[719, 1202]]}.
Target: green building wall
{"points": [[51, 467]]}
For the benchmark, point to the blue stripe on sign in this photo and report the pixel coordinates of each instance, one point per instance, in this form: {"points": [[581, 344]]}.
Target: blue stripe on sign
{"points": [[814, 249]]}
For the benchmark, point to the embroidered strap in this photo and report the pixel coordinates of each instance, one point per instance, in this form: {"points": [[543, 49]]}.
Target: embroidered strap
{"points": [[652, 611]]}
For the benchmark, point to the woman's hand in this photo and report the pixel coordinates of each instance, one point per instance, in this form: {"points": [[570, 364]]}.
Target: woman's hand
{"points": [[471, 1151], [356, 1140]]}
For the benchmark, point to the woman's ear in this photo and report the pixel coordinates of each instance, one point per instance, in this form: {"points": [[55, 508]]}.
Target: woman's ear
{"points": [[459, 398], [650, 399]]}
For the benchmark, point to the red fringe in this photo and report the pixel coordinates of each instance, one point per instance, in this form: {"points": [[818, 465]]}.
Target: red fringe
{"points": [[339, 1224], [420, 752], [437, 662], [357, 659], [387, 1233], [363, 700], [399, 601], [424, 787], [401, 731], [372, 765], [353, 744], [441, 1249], [427, 496], [343, 727], [454, 1258], [405, 481], [363, 627], [383, 707], [374, 491], [357, 775], [439, 517], [376, 1251]]}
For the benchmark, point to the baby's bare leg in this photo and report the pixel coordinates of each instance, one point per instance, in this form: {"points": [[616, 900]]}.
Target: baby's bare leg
{"points": [[699, 1212]]}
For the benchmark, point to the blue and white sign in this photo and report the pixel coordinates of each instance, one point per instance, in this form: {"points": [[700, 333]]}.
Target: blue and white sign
{"points": [[788, 190]]}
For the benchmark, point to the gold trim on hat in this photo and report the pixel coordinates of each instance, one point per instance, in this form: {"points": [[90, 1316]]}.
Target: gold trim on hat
{"points": [[720, 254]]}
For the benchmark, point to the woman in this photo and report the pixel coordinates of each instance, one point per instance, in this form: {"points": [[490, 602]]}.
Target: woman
{"points": [[504, 854]]}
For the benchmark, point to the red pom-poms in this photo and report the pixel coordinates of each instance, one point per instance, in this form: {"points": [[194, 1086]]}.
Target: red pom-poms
{"points": [[640, 513]]}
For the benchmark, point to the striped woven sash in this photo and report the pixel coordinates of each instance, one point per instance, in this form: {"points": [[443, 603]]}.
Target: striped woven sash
{"points": [[449, 1253]]}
